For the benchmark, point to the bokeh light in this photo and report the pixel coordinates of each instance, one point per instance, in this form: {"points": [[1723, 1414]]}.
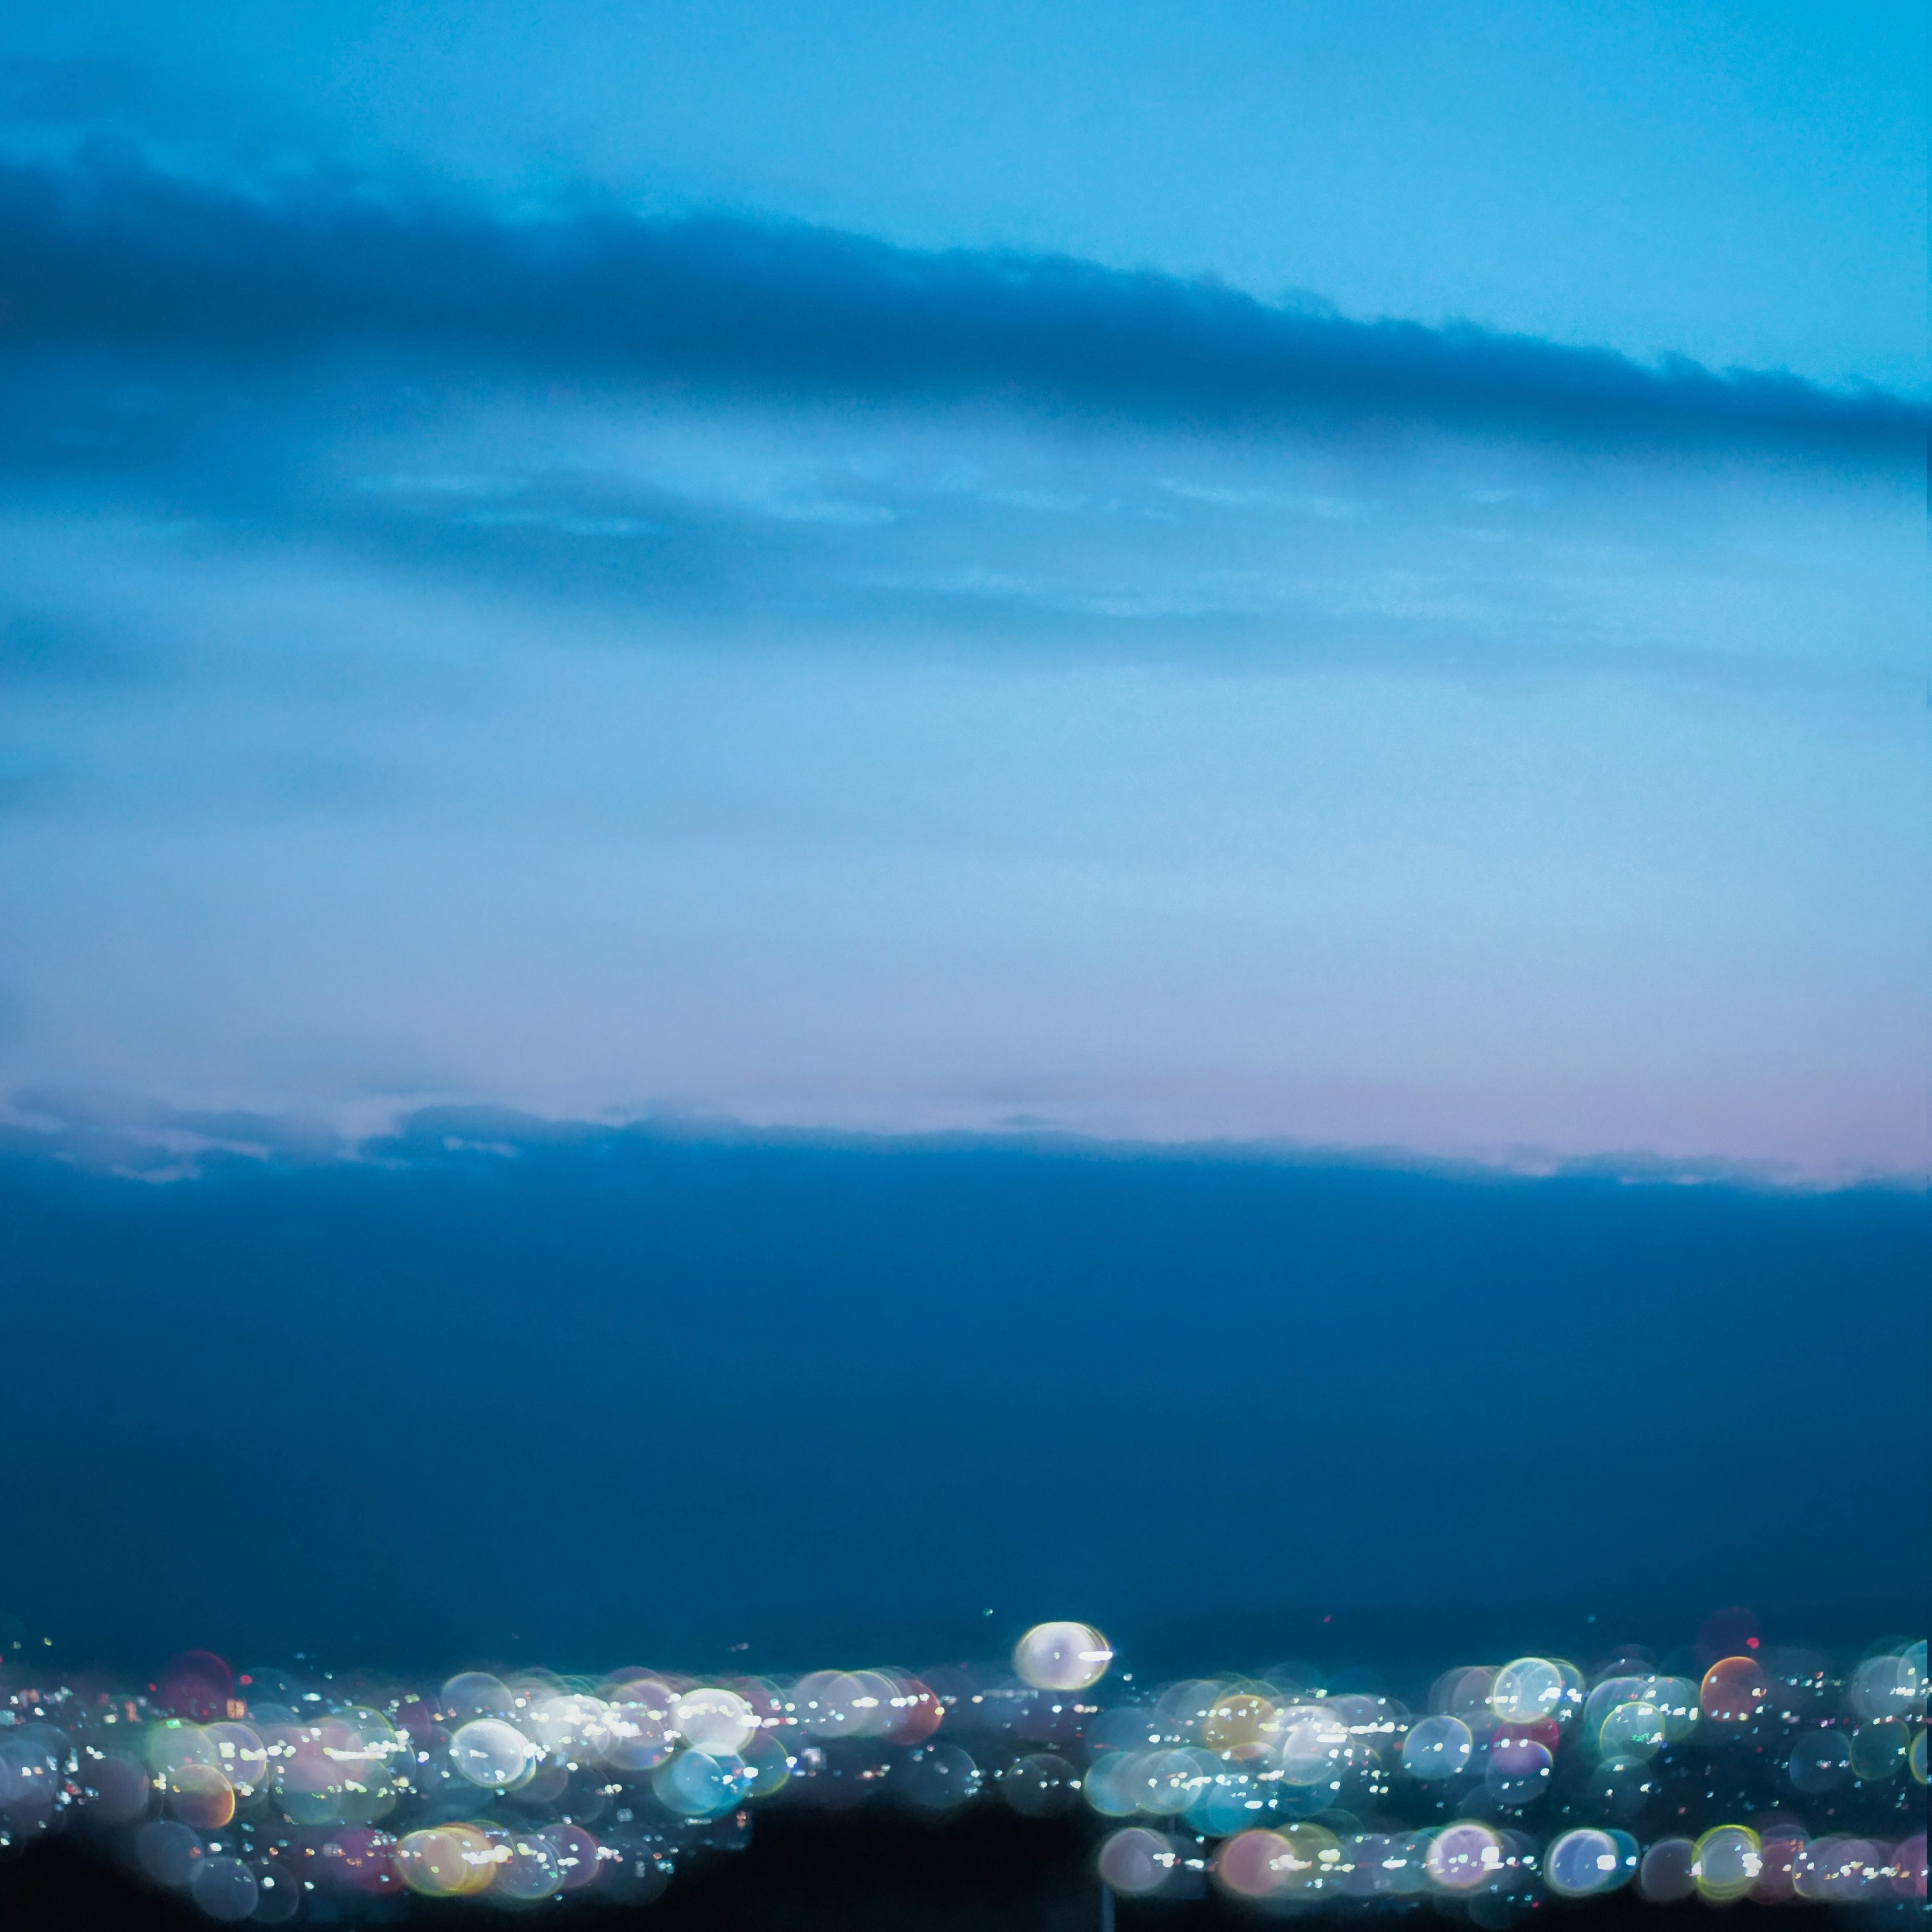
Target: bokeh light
{"points": [[1726, 1864], [1528, 1690], [492, 1753], [1668, 1874], [1635, 1729], [1583, 1861], [1782, 1777], [1463, 1856], [1062, 1657], [1137, 1861], [1734, 1690], [716, 1720], [1437, 1747]]}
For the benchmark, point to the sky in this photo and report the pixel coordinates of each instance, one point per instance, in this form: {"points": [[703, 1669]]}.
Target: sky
{"points": [[508, 1390], [1109, 812], [1352, 577]]}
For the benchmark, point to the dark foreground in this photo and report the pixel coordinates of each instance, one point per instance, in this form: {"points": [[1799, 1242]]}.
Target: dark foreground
{"points": [[808, 1872]]}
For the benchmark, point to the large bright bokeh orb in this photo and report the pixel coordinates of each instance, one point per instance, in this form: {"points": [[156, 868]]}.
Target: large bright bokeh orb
{"points": [[1062, 1657], [716, 1721], [1528, 1690], [491, 1753]]}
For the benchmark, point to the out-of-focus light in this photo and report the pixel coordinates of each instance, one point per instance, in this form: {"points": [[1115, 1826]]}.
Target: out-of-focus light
{"points": [[570, 1722], [1518, 1770], [1604, 1697], [1820, 1761], [167, 1851], [305, 1788], [915, 1711], [1908, 1868], [1581, 1862], [225, 1889], [174, 1745], [1312, 1743], [1840, 1870], [1623, 1786], [767, 1766], [1232, 1798], [1776, 1883], [1880, 1749], [241, 1755], [1463, 1692], [1170, 1781], [1062, 1657], [1136, 1862], [1040, 1785], [698, 1784], [1892, 1684], [1240, 1724], [636, 1727], [528, 1870], [579, 1864], [846, 1704], [490, 1754], [434, 1861], [1530, 1689], [1633, 1730], [715, 1720], [1312, 1866], [1727, 1860], [1913, 1658], [1677, 1699], [199, 1795], [1734, 1690], [1463, 1856], [1251, 1864], [938, 1777], [1111, 1782], [115, 1790], [1437, 1747], [1667, 1875], [1403, 1865], [474, 1693]]}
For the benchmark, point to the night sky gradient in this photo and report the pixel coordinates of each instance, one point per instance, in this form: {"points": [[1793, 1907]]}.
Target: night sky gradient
{"points": [[816, 818]]}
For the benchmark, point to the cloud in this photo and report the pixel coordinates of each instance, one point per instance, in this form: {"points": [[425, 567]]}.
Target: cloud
{"points": [[837, 1376], [596, 657], [103, 1131], [132, 1134], [104, 252]]}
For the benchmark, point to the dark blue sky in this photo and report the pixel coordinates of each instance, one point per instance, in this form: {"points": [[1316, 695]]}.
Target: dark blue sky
{"points": [[591, 1394]]}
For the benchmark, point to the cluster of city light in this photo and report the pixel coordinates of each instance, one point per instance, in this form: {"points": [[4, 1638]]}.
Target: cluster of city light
{"points": [[1251, 1784], [255, 1794]]}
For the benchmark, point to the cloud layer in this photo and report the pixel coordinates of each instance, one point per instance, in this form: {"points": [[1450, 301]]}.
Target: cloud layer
{"points": [[653, 1393], [591, 664], [100, 253]]}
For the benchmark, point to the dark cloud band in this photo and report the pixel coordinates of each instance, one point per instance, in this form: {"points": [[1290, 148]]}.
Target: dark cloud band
{"points": [[115, 255]]}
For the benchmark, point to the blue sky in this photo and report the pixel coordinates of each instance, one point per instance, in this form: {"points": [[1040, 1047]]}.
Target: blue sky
{"points": [[1741, 182], [517, 1392], [728, 561]]}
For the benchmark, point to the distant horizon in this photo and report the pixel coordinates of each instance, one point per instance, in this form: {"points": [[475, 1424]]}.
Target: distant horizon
{"points": [[138, 1138]]}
